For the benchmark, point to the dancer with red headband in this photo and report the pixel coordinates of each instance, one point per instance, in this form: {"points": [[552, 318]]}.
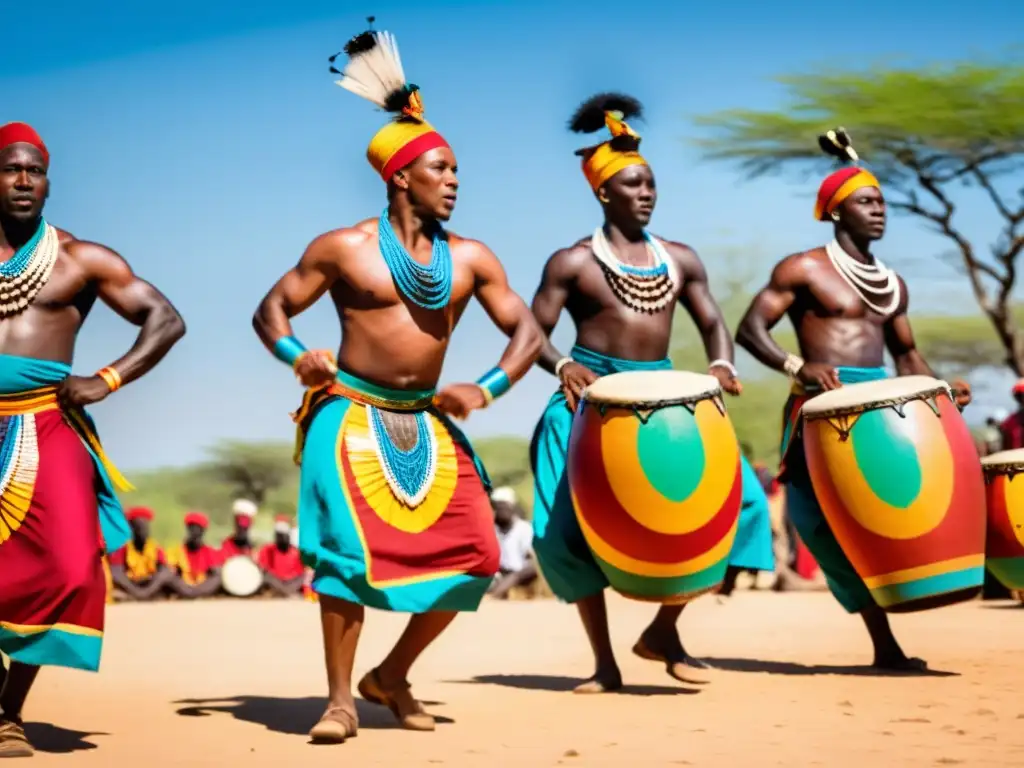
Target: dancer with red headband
{"points": [[58, 510], [393, 507], [847, 308]]}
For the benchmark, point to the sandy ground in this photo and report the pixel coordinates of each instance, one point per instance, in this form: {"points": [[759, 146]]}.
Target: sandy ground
{"points": [[240, 683]]}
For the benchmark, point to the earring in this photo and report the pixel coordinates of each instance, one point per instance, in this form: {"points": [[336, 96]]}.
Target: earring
{"points": [[835, 216], [603, 199]]}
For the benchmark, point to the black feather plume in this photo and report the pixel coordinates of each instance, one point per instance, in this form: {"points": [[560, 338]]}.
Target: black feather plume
{"points": [[589, 116], [837, 143]]}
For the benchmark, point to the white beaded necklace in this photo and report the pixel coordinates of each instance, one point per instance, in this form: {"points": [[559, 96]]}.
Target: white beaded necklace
{"points": [[644, 289], [874, 279], [25, 274]]}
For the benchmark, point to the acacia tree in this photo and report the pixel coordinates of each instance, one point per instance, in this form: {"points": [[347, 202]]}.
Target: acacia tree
{"points": [[923, 133], [252, 470]]}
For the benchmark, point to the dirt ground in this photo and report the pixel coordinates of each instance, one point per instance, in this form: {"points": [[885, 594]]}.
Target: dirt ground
{"points": [[233, 683]]}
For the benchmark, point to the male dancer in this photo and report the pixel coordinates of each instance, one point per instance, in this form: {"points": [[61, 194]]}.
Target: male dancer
{"points": [[393, 506], [58, 510], [622, 306], [847, 308]]}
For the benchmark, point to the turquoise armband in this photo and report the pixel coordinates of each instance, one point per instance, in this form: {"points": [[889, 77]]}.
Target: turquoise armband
{"points": [[288, 349], [494, 384]]}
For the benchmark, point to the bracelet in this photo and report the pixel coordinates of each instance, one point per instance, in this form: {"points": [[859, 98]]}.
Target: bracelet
{"points": [[112, 378], [727, 365], [494, 384], [288, 350], [561, 364], [792, 365]]}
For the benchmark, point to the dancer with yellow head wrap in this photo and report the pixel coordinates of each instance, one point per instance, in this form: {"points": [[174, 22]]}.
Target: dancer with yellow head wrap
{"points": [[621, 286], [393, 505], [847, 308]]}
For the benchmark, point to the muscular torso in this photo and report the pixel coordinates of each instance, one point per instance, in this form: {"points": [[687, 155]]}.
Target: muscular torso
{"points": [[48, 327], [386, 338], [833, 324], [603, 323]]}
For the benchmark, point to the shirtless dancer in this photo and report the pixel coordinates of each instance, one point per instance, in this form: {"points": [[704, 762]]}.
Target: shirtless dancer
{"points": [[58, 510], [843, 332], [618, 330], [393, 508]]}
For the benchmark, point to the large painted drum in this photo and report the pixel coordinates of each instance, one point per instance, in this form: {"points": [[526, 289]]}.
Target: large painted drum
{"points": [[1004, 489], [897, 475], [654, 473]]}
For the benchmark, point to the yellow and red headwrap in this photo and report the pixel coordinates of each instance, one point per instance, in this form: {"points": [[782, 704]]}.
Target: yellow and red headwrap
{"points": [[839, 186], [603, 161], [403, 140]]}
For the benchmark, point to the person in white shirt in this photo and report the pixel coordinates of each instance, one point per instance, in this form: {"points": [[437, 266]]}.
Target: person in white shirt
{"points": [[515, 537]]}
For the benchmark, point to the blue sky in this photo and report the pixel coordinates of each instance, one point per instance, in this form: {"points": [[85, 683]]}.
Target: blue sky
{"points": [[207, 143]]}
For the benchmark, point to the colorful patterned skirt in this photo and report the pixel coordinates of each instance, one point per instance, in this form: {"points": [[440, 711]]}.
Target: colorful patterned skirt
{"points": [[394, 510]]}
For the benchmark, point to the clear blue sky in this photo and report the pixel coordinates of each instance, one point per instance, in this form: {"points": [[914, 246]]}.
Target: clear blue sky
{"points": [[207, 143]]}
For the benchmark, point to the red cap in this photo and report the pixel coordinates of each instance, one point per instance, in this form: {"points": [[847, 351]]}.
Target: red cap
{"points": [[1018, 388], [139, 513], [197, 518], [22, 133]]}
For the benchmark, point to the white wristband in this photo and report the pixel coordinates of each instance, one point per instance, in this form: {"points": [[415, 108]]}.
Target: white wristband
{"points": [[727, 365], [561, 364], [792, 365]]}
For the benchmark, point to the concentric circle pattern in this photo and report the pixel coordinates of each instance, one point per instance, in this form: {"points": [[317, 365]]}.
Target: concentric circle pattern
{"points": [[657, 498], [1005, 542], [904, 496]]}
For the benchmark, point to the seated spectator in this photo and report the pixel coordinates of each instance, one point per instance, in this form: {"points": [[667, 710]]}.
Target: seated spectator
{"points": [[991, 435], [197, 565], [239, 543], [139, 569], [282, 568], [515, 536], [1012, 428]]}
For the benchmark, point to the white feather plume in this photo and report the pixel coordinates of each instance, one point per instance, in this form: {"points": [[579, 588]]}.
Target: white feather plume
{"points": [[377, 73]]}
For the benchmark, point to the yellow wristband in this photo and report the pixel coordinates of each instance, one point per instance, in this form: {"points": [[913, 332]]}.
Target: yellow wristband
{"points": [[488, 397], [112, 378]]}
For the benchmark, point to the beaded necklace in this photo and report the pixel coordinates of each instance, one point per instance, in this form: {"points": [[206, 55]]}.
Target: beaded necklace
{"points": [[26, 272], [643, 289], [428, 286], [868, 280]]}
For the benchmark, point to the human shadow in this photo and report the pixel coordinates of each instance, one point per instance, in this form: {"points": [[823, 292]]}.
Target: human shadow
{"points": [[793, 668], [1014, 606], [559, 683], [292, 716], [46, 737]]}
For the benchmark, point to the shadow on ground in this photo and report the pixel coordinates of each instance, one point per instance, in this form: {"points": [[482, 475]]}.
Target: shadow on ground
{"points": [[793, 668], [46, 737], [290, 716], [559, 683]]}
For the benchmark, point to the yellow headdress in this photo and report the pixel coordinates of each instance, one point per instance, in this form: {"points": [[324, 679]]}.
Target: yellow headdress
{"points": [[604, 160], [374, 72]]}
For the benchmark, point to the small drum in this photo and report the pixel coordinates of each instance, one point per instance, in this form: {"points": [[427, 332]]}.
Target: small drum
{"points": [[654, 473], [1005, 493], [897, 476], [241, 577]]}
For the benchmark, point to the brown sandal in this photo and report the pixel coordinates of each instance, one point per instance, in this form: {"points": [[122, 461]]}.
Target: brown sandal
{"points": [[13, 742], [335, 726], [407, 710]]}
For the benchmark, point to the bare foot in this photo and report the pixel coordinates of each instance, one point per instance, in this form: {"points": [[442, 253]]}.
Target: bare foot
{"points": [[670, 652], [399, 699], [900, 663], [337, 724], [603, 681], [13, 742]]}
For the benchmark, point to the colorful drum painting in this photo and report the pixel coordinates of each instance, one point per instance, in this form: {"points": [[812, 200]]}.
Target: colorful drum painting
{"points": [[654, 473], [1004, 489], [898, 478]]}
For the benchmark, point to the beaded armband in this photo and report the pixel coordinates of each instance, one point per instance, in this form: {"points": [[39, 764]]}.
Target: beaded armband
{"points": [[111, 377], [494, 384]]}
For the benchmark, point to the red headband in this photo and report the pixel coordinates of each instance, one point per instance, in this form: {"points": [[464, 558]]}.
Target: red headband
{"points": [[22, 133], [139, 513], [197, 518]]}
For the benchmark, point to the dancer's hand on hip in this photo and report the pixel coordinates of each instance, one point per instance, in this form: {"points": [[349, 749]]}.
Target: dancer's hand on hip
{"points": [[80, 391], [316, 368], [575, 378], [459, 400]]}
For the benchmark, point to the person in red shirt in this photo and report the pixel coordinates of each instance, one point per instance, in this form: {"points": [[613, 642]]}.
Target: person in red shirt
{"points": [[139, 568], [1012, 429], [197, 565], [282, 568], [239, 543]]}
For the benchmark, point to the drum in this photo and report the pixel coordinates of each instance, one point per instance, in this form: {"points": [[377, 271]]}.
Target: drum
{"points": [[897, 476], [240, 576], [1004, 490], [654, 474]]}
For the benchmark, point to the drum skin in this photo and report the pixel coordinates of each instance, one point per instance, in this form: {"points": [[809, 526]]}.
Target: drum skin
{"points": [[1005, 544], [240, 576], [904, 496], [658, 502]]}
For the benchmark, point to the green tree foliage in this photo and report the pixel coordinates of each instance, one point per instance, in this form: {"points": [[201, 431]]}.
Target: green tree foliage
{"points": [[926, 133]]}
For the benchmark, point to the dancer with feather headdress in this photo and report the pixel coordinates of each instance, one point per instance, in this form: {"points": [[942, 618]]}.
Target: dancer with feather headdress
{"points": [[394, 512], [620, 286], [847, 308]]}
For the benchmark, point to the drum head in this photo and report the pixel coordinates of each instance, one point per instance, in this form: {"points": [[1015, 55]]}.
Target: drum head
{"points": [[655, 387], [1004, 461], [856, 398], [240, 576]]}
